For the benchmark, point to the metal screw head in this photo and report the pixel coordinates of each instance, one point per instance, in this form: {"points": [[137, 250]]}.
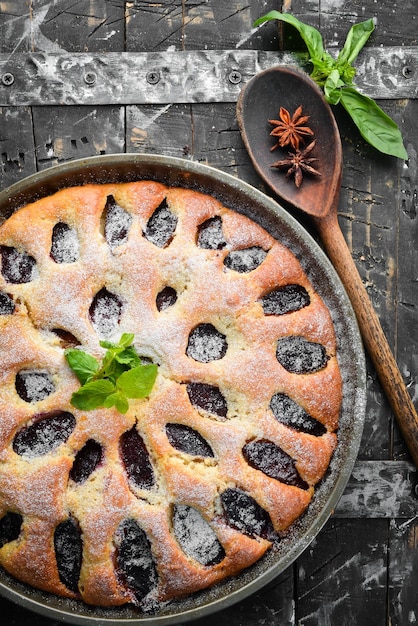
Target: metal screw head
{"points": [[90, 78], [234, 77], [153, 77], [408, 71], [7, 79]]}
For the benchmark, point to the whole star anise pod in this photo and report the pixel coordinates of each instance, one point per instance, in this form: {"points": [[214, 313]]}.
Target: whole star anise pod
{"points": [[290, 129], [298, 163]]}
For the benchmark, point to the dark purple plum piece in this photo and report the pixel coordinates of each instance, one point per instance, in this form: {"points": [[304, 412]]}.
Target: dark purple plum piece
{"points": [[117, 223], [135, 563], [245, 260], [68, 552], [67, 339], [268, 458], [244, 514], [34, 385], [286, 299], [188, 440], [166, 298], [195, 536], [290, 413], [161, 226], [300, 356], [136, 459], [105, 312], [206, 344], [65, 247], [17, 267], [7, 306], [210, 235], [10, 527], [46, 433], [86, 461], [207, 397]]}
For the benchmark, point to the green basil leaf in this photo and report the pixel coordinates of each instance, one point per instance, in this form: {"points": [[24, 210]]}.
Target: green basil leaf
{"points": [[83, 365], [92, 395], [356, 39], [310, 35], [374, 125], [137, 382], [332, 87]]}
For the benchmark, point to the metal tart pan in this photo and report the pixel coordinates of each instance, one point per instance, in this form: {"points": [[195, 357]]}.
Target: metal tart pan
{"points": [[247, 200]]}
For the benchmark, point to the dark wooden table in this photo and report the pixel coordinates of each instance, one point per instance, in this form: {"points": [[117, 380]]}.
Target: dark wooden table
{"points": [[87, 77]]}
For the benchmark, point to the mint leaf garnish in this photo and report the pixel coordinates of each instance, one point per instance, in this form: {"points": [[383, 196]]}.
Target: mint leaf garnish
{"points": [[120, 375], [83, 365], [137, 382], [92, 394]]}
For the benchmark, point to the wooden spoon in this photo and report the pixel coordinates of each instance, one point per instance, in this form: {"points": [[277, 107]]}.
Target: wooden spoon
{"points": [[259, 101]]}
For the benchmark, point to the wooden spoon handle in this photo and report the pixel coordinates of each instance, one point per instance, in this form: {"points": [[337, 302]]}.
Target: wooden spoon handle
{"points": [[371, 330]]}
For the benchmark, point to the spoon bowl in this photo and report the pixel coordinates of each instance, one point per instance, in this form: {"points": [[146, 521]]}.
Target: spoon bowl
{"points": [[260, 101]]}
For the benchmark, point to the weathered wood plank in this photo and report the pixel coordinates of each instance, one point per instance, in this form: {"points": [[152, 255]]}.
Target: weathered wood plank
{"points": [[403, 572], [85, 25], [64, 134], [195, 25], [62, 25], [380, 489], [17, 148], [396, 20], [175, 77], [15, 32], [341, 577]]}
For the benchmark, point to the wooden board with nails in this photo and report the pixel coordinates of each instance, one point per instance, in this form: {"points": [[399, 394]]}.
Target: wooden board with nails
{"points": [[98, 77]]}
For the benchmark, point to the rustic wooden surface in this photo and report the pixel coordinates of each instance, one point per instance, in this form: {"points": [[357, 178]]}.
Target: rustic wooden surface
{"points": [[362, 568]]}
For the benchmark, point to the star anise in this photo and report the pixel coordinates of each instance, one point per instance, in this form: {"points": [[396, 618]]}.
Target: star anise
{"points": [[298, 163], [290, 129]]}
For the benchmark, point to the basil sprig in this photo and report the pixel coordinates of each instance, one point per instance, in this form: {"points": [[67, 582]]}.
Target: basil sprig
{"points": [[335, 77], [120, 376]]}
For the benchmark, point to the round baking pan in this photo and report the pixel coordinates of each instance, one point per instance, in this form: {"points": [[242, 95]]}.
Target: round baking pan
{"points": [[245, 199]]}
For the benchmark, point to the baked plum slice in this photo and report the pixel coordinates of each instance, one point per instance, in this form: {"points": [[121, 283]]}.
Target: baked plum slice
{"points": [[135, 563], [10, 527], [117, 223], [44, 434], [244, 514], [300, 356], [210, 235], [65, 247], [245, 260], [105, 312], [161, 226], [265, 456], [166, 298], [34, 385], [286, 299], [68, 552], [195, 536], [7, 306], [67, 339], [136, 459], [188, 440], [206, 344], [17, 267], [207, 397], [290, 413], [86, 461]]}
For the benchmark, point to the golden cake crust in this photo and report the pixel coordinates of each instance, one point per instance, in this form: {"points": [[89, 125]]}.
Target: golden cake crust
{"points": [[58, 297]]}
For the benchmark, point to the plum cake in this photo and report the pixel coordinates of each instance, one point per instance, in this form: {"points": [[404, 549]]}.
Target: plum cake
{"points": [[197, 480]]}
